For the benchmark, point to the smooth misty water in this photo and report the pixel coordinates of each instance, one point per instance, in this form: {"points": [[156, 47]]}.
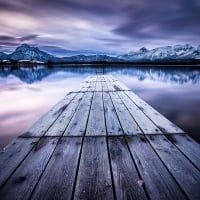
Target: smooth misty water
{"points": [[27, 93]]}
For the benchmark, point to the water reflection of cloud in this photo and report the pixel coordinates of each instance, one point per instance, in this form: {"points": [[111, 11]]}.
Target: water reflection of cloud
{"points": [[26, 103]]}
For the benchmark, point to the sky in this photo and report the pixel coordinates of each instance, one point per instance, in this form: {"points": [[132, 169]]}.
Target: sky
{"points": [[115, 26]]}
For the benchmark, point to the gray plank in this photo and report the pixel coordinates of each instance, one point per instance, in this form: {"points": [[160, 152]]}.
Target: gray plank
{"points": [[98, 86], [163, 123], [111, 78], [59, 126], [94, 178], [112, 123], [59, 176], [77, 125], [124, 172], [92, 86], [42, 125], [127, 122], [13, 155], [145, 124], [23, 181], [180, 167], [88, 79], [158, 181], [106, 79], [111, 87], [96, 122], [104, 86], [188, 146], [121, 85], [84, 86]]}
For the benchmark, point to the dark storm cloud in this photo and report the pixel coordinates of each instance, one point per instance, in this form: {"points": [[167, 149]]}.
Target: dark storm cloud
{"points": [[74, 6], [9, 40], [158, 19], [28, 37], [104, 22]]}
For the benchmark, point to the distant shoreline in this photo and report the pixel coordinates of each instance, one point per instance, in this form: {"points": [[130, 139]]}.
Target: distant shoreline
{"points": [[170, 64]]}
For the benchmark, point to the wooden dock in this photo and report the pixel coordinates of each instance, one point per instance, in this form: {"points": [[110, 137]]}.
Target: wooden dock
{"points": [[101, 142]]}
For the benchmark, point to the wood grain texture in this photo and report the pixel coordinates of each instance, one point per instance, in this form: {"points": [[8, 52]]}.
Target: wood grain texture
{"points": [[59, 176], [188, 146], [92, 86], [13, 155], [98, 86], [124, 172], [94, 178], [77, 125], [112, 123], [96, 122], [121, 85], [179, 166], [41, 126], [59, 126], [162, 122], [158, 181], [104, 86], [24, 179], [127, 122], [145, 124]]}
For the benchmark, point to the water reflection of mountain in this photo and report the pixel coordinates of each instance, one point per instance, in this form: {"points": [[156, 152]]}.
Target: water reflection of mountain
{"points": [[34, 74], [179, 76]]}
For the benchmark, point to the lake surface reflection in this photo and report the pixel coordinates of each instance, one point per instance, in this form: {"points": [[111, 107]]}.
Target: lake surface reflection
{"points": [[27, 93]]}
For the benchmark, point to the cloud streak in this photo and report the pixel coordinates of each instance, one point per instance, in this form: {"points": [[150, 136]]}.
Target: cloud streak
{"points": [[106, 25]]}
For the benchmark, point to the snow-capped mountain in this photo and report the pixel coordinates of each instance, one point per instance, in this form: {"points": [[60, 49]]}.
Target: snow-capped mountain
{"points": [[161, 54], [26, 52], [3, 56], [177, 52], [91, 58]]}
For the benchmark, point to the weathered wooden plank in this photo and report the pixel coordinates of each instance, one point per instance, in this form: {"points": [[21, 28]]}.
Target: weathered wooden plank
{"points": [[13, 155], [104, 86], [179, 166], [111, 78], [145, 124], [24, 179], [92, 86], [84, 86], [125, 175], [58, 179], [96, 123], [41, 126], [112, 123], [77, 125], [121, 85], [110, 87], [94, 177], [188, 146], [163, 123], [58, 128], [88, 79], [94, 78], [98, 86], [158, 181], [100, 78], [127, 122], [106, 78]]}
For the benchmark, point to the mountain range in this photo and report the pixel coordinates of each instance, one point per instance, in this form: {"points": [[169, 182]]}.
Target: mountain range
{"points": [[26, 53]]}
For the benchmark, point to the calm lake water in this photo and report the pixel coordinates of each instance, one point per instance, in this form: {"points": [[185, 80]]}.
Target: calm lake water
{"points": [[27, 93]]}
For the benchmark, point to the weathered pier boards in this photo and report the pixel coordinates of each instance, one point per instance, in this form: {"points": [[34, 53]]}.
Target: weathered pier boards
{"points": [[101, 142]]}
